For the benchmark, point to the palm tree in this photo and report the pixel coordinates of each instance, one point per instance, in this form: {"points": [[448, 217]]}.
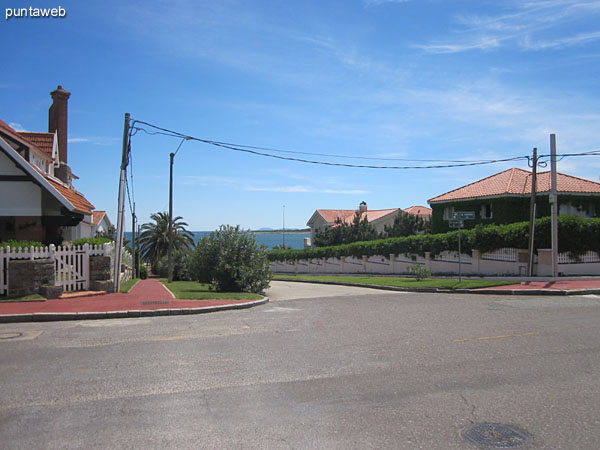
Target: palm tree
{"points": [[154, 239]]}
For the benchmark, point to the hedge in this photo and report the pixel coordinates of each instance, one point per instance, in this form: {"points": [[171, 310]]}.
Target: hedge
{"points": [[90, 241], [20, 244], [575, 235]]}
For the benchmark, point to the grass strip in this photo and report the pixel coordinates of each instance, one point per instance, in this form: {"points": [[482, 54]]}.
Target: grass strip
{"points": [[24, 298], [192, 290], [128, 285], [439, 283]]}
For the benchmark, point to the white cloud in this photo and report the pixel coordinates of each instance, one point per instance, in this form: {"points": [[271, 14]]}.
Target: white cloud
{"points": [[95, 140], [239, 184], [16, 126], [524, 26]]}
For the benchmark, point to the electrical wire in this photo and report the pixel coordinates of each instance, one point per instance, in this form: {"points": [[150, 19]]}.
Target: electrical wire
{"points": [[254, 150]]}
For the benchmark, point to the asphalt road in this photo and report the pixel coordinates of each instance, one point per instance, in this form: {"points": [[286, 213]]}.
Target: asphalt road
{"points": [[364, 369]]}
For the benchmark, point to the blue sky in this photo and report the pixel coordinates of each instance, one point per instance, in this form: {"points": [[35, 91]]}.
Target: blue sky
{"points": [[420, 79]]}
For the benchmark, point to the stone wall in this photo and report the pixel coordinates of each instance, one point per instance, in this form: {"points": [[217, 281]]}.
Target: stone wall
{"points": [[25, 277], [100, 274]]}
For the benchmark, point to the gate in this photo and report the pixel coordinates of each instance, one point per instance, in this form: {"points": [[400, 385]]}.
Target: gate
{"points": [[72, 268]]}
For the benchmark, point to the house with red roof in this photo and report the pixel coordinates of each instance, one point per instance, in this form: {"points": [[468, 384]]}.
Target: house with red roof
{"points": [[38, 200], [505, 198], [378, 218]]}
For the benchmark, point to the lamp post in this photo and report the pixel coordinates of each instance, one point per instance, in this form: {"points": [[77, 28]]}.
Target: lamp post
{"points": [[170, 247]]}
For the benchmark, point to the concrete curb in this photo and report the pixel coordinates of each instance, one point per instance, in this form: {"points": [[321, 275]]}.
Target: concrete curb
{"points": [[482, 291], [61, 316]]}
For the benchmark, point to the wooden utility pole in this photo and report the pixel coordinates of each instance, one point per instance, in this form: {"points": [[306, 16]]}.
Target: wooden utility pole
{"points": [[554, 205], [133, 242], [530, 247], [170, 249], [121, 207]]}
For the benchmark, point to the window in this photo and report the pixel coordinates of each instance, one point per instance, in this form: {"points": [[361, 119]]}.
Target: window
{"points": [[486, 211], [448, 212]]}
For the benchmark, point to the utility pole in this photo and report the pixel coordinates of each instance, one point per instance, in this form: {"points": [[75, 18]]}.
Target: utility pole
{"points": [[121, 207], [530, 247], [170, 249], [133, 242], [554, 205], [139, 257]]}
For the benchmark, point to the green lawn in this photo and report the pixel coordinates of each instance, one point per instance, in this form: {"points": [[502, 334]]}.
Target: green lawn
{"points": [[441, 283], [25, 298], [124, 288], [192, 290]]}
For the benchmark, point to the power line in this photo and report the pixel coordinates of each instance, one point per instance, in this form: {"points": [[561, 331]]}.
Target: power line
{"points": [[254, 150]]}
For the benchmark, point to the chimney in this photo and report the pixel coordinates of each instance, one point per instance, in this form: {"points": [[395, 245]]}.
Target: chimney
{"points": [[57, 120], [362, 207]]}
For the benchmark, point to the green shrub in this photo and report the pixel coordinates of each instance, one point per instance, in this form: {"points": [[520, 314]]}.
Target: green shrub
{"points": [[231, 260], [20, 244], [180, 261], [143, 272], [91, 241], [419, 272]]}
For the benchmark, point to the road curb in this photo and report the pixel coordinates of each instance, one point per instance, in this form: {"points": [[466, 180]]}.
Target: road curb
{"points": [[481, 291], [63, 316]]}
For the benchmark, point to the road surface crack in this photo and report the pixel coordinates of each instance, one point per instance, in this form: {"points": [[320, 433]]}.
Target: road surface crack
{"points": [[473, 418]]}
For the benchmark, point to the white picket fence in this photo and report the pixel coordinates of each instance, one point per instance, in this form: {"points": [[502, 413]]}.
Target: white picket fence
{"points": [[72, 269]]}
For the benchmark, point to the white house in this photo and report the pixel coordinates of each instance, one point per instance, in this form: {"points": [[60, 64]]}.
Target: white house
{"points": [[38, 200]]}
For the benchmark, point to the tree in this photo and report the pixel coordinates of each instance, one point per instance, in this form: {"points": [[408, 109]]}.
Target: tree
{"points": [[231, 260], [154, 238], [406, 224], [344, 233]]}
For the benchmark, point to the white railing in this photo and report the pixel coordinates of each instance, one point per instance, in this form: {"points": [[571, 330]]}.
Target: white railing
{"points": [[588, 257], [71, 263], [502, 254]]}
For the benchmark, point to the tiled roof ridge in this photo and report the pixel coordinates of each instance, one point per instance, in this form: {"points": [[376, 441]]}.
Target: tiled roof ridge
{"points": [[474, 182]]}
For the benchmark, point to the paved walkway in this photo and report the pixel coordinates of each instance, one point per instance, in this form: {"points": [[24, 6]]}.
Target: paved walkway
{"points": [[147, 298]]}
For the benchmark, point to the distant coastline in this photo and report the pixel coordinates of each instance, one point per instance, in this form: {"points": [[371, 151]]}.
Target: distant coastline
{"points": [[307, 230]]}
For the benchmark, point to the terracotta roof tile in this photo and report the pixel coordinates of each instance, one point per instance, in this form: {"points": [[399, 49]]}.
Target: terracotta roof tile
{"points": [[75, 198], [97, 217], [6, 126], [347, 215], [43, 141], [517, 182], [422, 211]]}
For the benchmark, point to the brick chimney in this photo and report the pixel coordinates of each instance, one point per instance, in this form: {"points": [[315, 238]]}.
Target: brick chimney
{"points": [[58, 118], [362, 207]]}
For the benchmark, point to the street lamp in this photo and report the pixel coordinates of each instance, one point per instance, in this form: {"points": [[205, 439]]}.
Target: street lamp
{"points": [[170, 248]]}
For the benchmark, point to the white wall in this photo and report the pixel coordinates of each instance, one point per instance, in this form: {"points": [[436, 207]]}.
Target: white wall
{"points": [[20, 198]]}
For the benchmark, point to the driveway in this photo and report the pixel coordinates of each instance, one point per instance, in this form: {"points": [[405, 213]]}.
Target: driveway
{"points": [[289, 290]]}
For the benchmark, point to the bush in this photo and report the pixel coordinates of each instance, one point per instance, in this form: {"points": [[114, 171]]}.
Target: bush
{"points": [[20, 244], [143, 272], [231, 260], [419, 272], [91, 241], [180, 260]]}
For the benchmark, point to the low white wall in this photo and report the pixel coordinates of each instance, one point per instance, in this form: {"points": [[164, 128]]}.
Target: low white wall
{"points": [[447, 264]]}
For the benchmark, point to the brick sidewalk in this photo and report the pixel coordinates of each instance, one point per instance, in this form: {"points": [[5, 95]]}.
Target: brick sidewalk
{"points": [[145, 297]]}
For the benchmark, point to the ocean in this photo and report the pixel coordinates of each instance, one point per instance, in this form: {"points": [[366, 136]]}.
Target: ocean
{"points": [[292, 239]]}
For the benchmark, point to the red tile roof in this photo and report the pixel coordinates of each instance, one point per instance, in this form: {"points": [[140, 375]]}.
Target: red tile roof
{"points": [[75, 198], [43, 141], [347, 215], [97, 217], [517, 182], [422, 211], [7, 127]]}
